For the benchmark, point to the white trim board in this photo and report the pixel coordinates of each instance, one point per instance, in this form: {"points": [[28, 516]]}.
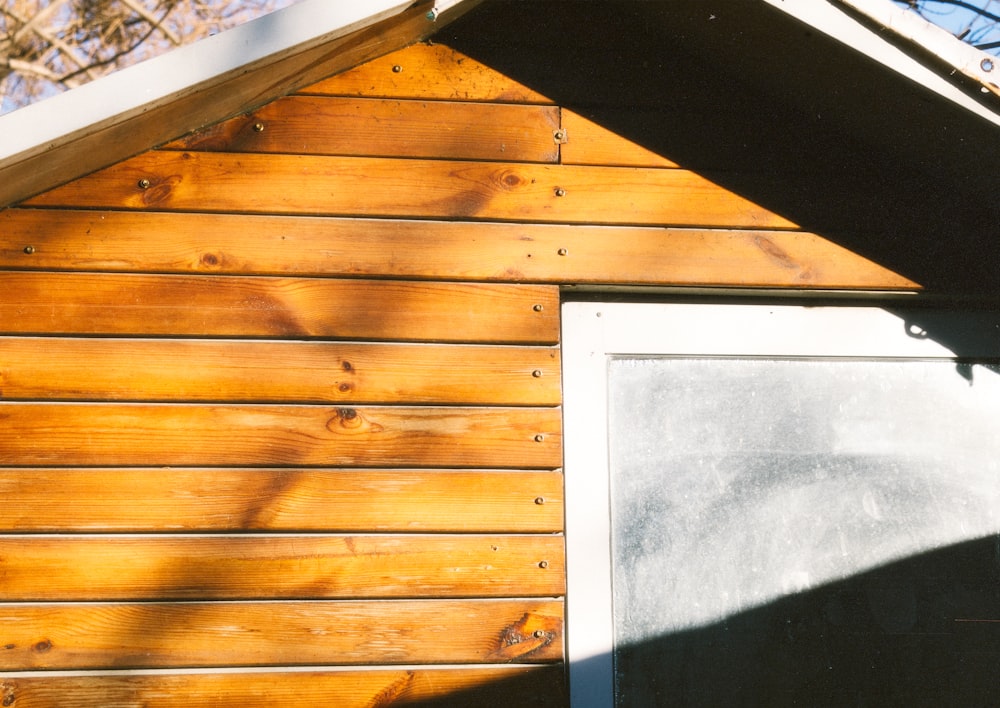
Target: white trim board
{"points": [[132, 89], [593, 332], [835, 22], [115, 117]]}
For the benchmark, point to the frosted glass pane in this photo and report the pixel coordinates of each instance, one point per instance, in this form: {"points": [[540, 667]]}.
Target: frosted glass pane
{"points": [[735, 482]]}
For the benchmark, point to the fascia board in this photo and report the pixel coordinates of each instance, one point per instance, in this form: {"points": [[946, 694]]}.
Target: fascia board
{"points": [[845, 27], [76, 120], [961, 56]]}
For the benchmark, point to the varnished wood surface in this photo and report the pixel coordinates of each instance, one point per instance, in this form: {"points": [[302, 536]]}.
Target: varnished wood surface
{"points": [[245, 567], [524, 686], [316, 125], [340, 500], [362, 186], [589, 143], [203, 634], [224, 95], [427, 71], [453, 250], [236, 435], [55, 368], [100, 303]]}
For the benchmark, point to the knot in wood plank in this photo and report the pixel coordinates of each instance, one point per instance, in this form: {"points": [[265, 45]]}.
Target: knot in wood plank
{"points": [[520, 640]]}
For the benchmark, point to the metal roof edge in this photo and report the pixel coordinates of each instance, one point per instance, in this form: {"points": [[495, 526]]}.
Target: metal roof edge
{"points": [[93, 121], [847, 22], [953, 52]]}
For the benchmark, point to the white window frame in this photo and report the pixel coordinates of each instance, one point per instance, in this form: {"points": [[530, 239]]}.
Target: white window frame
{"points": [[595, 331]]}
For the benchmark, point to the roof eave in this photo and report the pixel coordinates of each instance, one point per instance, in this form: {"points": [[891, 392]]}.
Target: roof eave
{"points": [[906, 49], [956, 55], [125, 113]]}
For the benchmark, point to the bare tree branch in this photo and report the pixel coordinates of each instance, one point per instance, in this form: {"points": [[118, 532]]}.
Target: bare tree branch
{"points": [[39, 18], [151, 19], [68, 51], [49, 45], [30, 69], [124, 51]]}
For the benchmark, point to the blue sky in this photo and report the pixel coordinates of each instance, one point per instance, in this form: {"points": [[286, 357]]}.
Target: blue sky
{"points": [[958, 16]]}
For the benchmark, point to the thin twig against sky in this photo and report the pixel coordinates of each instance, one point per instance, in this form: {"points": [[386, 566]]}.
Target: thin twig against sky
{"points": [[976, 22], [47, 46]]}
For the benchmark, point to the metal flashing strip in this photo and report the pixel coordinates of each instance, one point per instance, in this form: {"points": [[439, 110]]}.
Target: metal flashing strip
{"points": [[135, 109], [40, 126], [966, 59], [842, 24]]}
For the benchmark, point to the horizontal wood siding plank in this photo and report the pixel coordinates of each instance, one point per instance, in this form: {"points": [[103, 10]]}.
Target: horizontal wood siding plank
{"points": [[588, 143], [343, 500], [427, 71], [274, 372], [540, 686], [54, 303], [229, 94], [247, 567], [315, 125], [116, 434], [203, 634], [215, 243], [363, 186]]}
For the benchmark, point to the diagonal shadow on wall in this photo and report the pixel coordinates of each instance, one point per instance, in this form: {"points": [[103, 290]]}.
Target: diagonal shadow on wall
{"points": [[918, 632], [775, 112]]}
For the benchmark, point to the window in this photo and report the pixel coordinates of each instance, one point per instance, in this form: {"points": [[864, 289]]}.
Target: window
{"points": [[761, 500]]}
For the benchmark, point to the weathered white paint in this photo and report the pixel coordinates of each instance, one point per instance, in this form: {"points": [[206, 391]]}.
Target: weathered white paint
{"points": [[136, 109], [837, 22], [968, 60], [594, 331], [130, 91]]}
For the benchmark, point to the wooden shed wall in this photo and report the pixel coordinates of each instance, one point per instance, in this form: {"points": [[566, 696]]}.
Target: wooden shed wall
{"points": [[281, 399]]}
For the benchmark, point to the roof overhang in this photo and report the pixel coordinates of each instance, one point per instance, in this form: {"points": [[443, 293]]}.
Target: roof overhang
{"points": [[904, 42], [121, 115], [132, 110]]}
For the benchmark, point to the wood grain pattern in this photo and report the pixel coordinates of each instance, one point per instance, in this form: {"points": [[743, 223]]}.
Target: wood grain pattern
{"points": [[588, 143], [274, 372], [259, 567], [204, 634], [235, 435], [362, 186], [427, 71], [524, 686], [215, 243], [85, 303], [316, 125], [228, 94], [343, 500]]}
